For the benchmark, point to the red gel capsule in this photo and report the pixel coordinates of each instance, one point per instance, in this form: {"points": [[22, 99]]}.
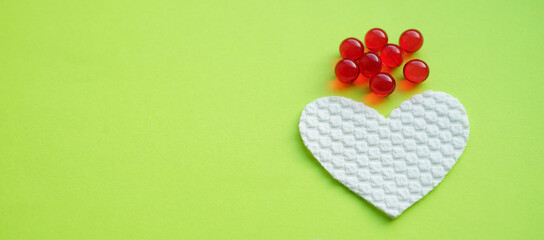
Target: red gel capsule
{"points": [[382, 84], [346, 70], [375, 39], [351, 48], [391, 55], [416, 71], [370, 64], [411, 40]]}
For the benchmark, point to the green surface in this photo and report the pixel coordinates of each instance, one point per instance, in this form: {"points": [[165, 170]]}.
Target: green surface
{"points": [[179, 120]]}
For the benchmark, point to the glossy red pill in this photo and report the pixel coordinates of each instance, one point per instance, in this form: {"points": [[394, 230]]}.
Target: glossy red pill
{"points": [[375, 39], [346, 70], [370, 64], [382, 84], [391, 55], [351, 48], [411, 40], [416, 71]]}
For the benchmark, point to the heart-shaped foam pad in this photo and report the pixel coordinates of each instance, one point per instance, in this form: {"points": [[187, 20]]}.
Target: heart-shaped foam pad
{"points": [[391, 162]]}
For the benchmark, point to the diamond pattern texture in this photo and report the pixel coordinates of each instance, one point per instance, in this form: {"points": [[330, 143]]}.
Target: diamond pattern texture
{"points": [[391, 162]]}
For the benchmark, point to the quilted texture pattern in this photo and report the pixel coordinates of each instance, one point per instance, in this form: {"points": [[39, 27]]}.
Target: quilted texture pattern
{"points": [[391, 162]]}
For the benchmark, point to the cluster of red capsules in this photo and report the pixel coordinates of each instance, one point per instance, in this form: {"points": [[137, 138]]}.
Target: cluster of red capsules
{"points": [[355, 61]]}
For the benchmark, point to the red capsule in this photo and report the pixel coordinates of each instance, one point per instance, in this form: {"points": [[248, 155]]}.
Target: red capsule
{"points": [[375, 39], [382, 84], [351, 48], [370, 64], [346, 70], [391, 55], [416, 71], [411, 40]]}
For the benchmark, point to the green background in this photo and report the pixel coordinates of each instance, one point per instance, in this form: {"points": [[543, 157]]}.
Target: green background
{"points": [[179, 119]]}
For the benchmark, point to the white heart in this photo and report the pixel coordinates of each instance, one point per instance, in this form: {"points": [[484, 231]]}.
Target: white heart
{"points": [[391, 162]]}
